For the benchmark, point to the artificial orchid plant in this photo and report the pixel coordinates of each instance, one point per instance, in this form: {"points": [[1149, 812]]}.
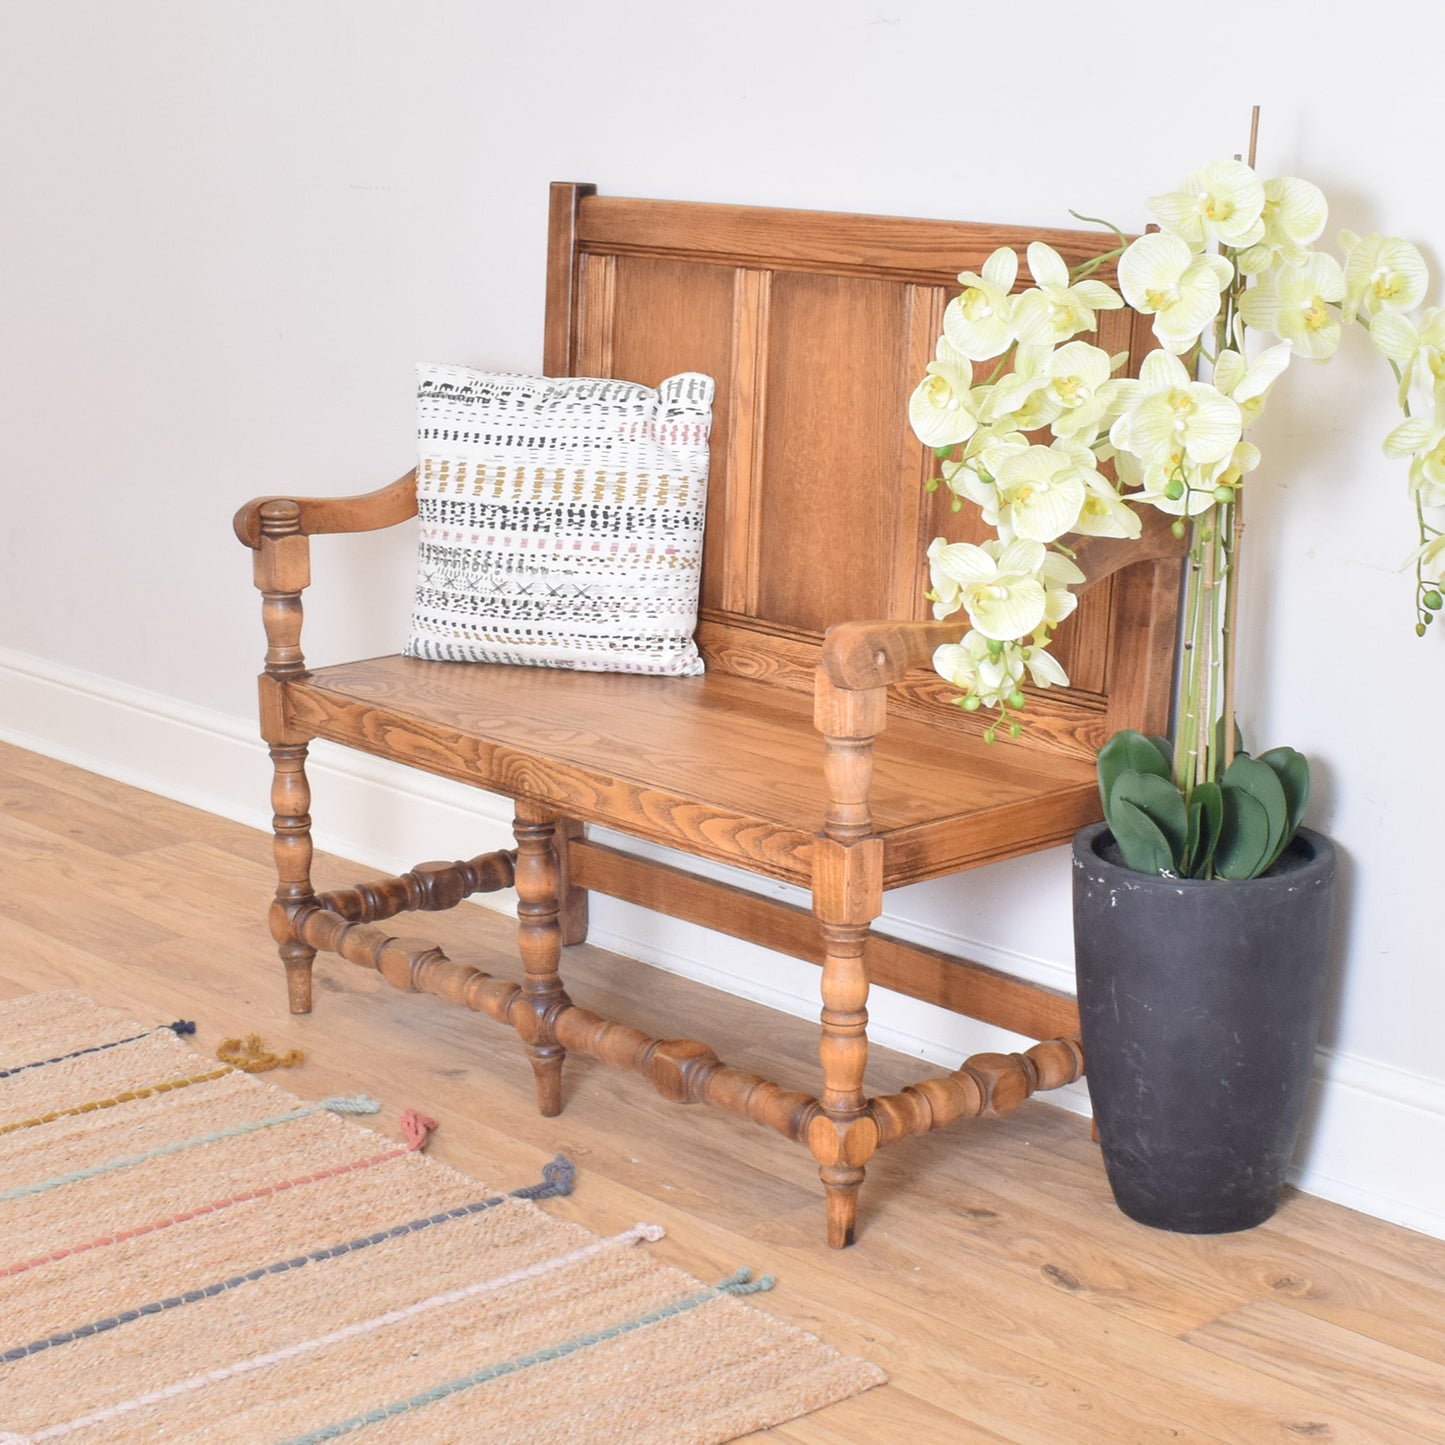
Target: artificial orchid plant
{"points": [[1026, 420]]}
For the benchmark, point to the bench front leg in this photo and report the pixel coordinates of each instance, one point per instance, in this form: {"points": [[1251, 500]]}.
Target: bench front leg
{"points": [[847, 897], [539, 882], [282, 572]]}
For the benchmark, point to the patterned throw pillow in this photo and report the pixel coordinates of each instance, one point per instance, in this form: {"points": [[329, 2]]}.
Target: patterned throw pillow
{"points": [[561, 520]]}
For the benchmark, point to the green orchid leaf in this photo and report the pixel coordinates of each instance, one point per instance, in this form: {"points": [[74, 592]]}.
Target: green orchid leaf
{"points": [[1239, 748], [1293, 771], [1145, 848], [1261, 783], [1160, 801], [1206, 822], [1244, 838], [1129, 752]]}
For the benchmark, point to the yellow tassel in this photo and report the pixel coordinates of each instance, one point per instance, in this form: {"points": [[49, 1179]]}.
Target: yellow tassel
{"points": [[252, 1056]]}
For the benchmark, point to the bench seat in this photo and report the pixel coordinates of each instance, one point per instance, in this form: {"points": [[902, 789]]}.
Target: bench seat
{"points": [[726, 768]]}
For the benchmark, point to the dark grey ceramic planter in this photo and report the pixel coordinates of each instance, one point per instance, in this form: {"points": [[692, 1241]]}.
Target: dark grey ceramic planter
{"points": [[1200, 1004]]}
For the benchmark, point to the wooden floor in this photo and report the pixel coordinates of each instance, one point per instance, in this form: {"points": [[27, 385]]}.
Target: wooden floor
{"points": [[993, 1279]]}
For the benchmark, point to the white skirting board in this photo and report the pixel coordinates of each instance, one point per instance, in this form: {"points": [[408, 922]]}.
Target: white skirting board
{"points": [[1374, 1141]]}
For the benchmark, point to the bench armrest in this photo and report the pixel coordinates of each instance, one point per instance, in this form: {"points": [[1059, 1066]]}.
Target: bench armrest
{"points": [[1100, 557], [366, 513], [858, 655]]}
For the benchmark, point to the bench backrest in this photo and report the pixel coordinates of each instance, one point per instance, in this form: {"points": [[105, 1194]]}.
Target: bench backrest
{"points": [[816, 327]]}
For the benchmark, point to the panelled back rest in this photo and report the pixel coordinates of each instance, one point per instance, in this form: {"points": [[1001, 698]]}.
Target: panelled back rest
{"points": [[817, 326], [818, 747]]}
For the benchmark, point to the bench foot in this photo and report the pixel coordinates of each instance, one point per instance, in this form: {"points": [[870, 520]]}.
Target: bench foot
{"points": [[841, 1185], [298, 958], [547, 1067]]}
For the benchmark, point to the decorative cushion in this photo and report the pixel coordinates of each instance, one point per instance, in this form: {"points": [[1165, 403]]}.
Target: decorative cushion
{"points": [[561, 520]]}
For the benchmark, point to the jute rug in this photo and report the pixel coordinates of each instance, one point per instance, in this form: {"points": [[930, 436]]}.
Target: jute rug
{"points": [[189, 1253]]}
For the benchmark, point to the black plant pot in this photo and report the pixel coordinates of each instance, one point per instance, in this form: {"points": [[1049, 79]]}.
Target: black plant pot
{"points": [[1200, 1004]]}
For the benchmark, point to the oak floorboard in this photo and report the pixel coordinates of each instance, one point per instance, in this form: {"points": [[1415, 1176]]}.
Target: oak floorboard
{"points": [[1402, 1392], [993, 1279], [95, 800], [890, 1415]]}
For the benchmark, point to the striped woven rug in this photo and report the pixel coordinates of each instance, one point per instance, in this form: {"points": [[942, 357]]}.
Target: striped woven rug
{"points": [[190, 1254]]}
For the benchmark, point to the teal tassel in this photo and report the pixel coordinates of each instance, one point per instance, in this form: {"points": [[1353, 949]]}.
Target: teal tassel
{"points": [[358, 1105], [742, 1282]]}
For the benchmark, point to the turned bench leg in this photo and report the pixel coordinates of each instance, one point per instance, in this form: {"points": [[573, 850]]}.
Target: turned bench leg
{"points": [[291, 825], [844, 1137], [847, 897], [539, 940]]}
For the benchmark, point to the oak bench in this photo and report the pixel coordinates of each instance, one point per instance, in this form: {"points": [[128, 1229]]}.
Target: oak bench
{"points": [[817, 748]]}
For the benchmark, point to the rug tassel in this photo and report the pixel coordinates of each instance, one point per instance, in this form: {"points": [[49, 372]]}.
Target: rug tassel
{"points": [[742, 1282], [252, 1056], [181, 1026], [416, 1128], [559, 1175], [359, 1104], [557, 1178]]}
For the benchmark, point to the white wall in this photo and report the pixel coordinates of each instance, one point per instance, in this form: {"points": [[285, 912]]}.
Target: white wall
{"points": [[227, 230]]}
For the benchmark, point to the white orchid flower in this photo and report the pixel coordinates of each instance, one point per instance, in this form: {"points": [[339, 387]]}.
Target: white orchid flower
{"points": [[942, 409], [1295, 303], [1224, 202], [1294, 215], [1427, 471], [978, 672], [1422, 439], [1079, 382], [996, 583], [1431, 560], [1044, 669], [1403, 339], [1053, 310], [994, 677], [1247, 383], [964, 479], [1058, 574], [1160, 276], [979, 320], [1105, 513], [1382, 273], [1041, 491], [1418, 349], [972, 477], [1021, 401], [1233, 469], [1177, 490], [1174, 420], [1185, 489]]}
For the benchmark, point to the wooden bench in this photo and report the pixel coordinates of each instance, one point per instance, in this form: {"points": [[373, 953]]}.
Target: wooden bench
{"points": [[818, 748]]}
